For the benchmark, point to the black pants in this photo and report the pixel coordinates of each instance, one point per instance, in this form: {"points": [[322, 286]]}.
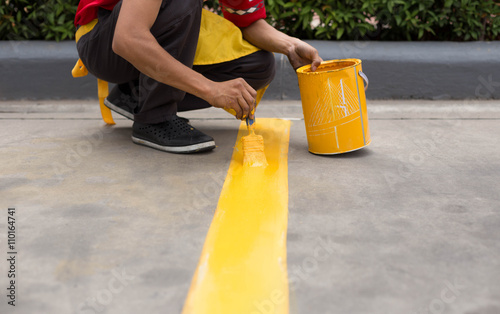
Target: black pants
{"points": [[176, 29]]}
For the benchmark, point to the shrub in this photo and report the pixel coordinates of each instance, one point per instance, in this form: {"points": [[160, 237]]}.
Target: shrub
{"points": [[48, 20], [456, 20]]}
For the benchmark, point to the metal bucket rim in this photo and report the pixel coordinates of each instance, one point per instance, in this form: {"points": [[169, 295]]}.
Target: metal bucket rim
{"points": [[303, 69]]}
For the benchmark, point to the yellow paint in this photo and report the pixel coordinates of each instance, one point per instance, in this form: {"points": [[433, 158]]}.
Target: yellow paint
{"points": [[334, 106], [242, 268]]}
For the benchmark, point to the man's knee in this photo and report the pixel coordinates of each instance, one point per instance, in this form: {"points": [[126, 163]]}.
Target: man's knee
{"points": [[264, 69], [269, 65]]}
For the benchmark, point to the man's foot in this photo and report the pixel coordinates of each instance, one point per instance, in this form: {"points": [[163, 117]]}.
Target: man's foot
{"points": [[174, 136], [121, 103], [124, 104]]}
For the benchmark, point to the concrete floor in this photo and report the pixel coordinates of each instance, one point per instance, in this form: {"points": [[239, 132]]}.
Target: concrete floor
{"points": [[410, 224]]}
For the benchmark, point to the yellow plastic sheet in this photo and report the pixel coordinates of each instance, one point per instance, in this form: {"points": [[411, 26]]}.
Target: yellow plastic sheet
{"points": [[242, 268], [220, 41], [103, 92], [79, 70], [84, 29]]}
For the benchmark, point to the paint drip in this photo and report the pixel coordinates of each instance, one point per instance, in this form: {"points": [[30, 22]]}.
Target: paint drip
{"points": [[253, 149]]}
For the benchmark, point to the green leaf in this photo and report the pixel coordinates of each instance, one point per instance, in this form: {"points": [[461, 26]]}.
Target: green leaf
{"points": [[340, 32], [398, 19], [390, 6], [61, 19], [50, 18]]}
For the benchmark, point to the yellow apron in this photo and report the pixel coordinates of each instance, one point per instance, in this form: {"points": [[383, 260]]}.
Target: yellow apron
{"points": [[220, 41]]}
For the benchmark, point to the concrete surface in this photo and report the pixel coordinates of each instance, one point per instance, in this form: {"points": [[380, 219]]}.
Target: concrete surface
{"points": [[410, 224], [397, 70]]}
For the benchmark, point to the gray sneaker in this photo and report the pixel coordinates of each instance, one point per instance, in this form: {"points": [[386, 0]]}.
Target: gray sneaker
{"points": [[121, 103]]}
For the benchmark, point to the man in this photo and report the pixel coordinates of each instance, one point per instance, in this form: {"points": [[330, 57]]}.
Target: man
{"points": [[148, 48]]}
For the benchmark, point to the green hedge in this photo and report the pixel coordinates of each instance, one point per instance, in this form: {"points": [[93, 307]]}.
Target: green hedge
{"points": [[456, 20], [49, 19]]}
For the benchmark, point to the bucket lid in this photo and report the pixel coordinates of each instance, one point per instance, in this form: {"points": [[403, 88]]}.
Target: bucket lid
{"points": [[330, 66]]}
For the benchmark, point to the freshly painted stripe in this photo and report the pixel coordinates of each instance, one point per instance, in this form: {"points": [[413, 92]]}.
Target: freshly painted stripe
{"points": [[242, 268]]}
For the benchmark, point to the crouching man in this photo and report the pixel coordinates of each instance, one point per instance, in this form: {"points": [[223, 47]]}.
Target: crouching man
{"points": [[171, 56]]}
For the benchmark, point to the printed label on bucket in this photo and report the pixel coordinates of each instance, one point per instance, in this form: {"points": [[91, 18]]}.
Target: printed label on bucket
{"points": [[337, 103]]}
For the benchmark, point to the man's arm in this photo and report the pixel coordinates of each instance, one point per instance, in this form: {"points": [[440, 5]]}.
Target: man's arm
{"points": [[266, 37], [134, 42]]}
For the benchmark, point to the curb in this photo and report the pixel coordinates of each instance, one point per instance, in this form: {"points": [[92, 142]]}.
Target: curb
{"points": [[397, 70]]}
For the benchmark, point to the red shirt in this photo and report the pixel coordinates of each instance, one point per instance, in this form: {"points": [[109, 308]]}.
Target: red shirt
{"points": [[87, 10], [241, 12]]}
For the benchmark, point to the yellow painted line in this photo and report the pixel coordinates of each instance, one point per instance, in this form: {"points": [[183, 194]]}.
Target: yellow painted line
{"points": [[242, 268]]}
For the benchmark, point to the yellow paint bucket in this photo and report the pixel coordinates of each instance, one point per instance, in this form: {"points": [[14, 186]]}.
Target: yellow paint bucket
{"points": [[334, 106]]}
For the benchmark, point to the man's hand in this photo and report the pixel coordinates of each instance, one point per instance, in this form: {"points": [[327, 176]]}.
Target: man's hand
{"points": [[234, 94], [268, 38], [302, 54]]}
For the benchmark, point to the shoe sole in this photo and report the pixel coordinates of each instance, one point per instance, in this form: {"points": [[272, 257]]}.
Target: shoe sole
{"points": [[195, 148], [118, 110]]}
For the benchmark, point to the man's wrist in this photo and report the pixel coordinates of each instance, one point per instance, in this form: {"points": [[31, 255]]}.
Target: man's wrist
{"points": [[290, 46], [205, 91]]}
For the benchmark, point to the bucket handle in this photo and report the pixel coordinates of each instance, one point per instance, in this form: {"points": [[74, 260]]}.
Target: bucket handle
{"points": [[365, 78]]}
